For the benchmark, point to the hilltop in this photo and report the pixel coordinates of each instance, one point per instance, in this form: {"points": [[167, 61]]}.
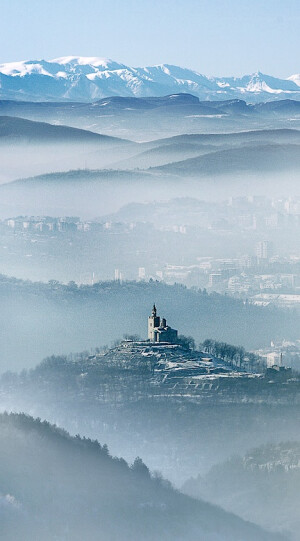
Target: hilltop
{"points": [[82, 317]]}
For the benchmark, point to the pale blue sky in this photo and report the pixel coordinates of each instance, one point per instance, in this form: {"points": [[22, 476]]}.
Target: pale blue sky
{"points": [[215, 37]]}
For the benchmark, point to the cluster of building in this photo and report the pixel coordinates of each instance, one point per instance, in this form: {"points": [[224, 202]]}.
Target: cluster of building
{"points": [[41, 224], [69, 224], [258, 277], [281, 354], [255, 213], [260, 212], [231, 247]]}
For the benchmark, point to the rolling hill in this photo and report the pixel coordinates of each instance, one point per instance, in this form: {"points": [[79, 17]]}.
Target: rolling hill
{"points": [[15, 129], [80, 192], [246, 159], [234, 138], [185, 146], [30, 147]]}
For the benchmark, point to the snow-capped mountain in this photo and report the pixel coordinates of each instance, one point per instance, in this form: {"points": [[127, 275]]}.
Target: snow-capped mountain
{"points": [[92, 78]]}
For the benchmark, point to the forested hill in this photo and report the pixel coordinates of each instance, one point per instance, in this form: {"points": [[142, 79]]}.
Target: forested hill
{"points": [[270, 477], [89, 316], [54, 486]]}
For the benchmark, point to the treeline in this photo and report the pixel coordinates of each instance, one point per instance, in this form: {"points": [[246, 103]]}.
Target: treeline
{"points": [[81, 444], [235, 356]]}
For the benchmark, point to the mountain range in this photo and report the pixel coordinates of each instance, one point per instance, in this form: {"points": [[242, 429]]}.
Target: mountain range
{"points": [[149, 118], [92, 78]]}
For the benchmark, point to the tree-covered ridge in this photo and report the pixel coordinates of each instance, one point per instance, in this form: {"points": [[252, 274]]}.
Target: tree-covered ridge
{"points": [[57, 486], [262, 486]]}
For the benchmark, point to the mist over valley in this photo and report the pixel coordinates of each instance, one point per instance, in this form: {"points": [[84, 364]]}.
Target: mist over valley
{"points": [[150, 303]]}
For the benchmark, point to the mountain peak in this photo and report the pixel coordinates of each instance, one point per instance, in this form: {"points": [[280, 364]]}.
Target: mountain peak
{"points": [[95, 61]]}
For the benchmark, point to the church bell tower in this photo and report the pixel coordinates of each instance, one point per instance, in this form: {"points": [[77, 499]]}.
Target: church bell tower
{"points": [[153, 322]]}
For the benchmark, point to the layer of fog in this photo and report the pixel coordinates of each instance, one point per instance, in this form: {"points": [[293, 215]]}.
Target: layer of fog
{"points": [[93, 199], [26, 160], [146, 125], [179, 436]]}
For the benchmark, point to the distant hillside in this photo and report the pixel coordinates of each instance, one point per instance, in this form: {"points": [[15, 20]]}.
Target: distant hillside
{"points": [[30, 148], [79, 192], [54, 486], [85, 176], [186, 146], [175, 103], [235, 138], [247, 159], [262, 486], [156, 117], [164, 154], [186, 210], [13, 129]]}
